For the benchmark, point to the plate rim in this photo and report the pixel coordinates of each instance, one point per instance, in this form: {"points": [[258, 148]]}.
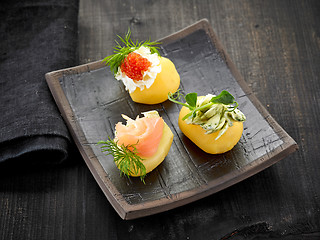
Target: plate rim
{"points": [[131, 211]]}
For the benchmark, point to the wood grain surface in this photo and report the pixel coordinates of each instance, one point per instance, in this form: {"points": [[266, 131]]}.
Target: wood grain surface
{"points": [[276, 46]]}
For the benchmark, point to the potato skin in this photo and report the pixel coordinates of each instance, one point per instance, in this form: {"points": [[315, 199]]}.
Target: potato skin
{"points": [[207, 142], [168, 80]]}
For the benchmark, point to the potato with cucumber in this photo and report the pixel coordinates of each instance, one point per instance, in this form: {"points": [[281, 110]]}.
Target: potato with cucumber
{"points": [[213, 123]]}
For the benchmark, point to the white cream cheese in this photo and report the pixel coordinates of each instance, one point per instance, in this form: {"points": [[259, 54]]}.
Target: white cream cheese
{"points": [[148, 76]]}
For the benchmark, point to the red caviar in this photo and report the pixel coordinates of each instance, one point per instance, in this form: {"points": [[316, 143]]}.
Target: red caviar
{"points": [[134, 65]]}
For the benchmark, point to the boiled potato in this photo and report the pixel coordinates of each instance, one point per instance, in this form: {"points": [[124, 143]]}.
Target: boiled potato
{"points": [[207, 142], [163, 149], [153, 161], [168, 80]]}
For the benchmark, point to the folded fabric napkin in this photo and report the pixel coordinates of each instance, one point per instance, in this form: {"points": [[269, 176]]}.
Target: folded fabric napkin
{"points": [[36, 37]]}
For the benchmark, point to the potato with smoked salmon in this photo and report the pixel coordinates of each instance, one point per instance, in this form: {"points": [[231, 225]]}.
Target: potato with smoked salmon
{"points": [[140, 145], [146, 75], [212, 122]]}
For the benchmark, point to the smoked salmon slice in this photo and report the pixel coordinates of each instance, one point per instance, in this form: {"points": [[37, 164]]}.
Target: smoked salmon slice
{"points": [[144, 133]]}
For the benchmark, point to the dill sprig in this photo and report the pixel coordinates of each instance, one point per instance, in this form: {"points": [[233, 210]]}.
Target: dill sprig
{"points": [[121, 52], [125, 157]]}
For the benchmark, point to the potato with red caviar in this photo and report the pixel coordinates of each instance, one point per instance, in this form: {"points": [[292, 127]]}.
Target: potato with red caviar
{"points": [[168, 80], [212, 122], [146, 75]]}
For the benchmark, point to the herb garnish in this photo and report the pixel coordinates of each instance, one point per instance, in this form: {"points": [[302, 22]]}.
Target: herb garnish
{"points": [[191, 101], [121, 52], [125, 157]]}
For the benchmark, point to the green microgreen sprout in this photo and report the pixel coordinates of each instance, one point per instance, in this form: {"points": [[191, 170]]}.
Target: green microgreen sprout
{"points": [[191, 101]]}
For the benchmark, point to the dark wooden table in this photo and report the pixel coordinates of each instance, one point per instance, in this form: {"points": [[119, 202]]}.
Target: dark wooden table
{"points": [[276, 47]]}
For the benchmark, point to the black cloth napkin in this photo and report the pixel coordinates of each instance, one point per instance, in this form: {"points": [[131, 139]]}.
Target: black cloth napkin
{"points": [[36, 37]]}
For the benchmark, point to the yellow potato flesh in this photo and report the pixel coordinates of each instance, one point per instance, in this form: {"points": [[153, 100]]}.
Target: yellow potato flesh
{"points": [[168, 80], [207, 142], [164, 146]]}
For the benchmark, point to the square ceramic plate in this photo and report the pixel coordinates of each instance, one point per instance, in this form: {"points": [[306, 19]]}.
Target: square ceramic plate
{"points": [[92, 101]]}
